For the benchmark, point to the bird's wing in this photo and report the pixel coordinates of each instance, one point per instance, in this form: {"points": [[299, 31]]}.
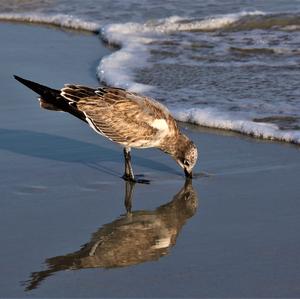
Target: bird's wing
{"points": [[121, 116], [73, 93]]}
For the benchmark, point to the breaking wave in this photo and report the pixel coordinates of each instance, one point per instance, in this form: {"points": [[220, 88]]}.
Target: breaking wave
{"points": [[134, 41], [209, 117], [59, 20]]}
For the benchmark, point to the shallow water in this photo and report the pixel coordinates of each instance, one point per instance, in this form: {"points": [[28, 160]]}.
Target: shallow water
{"points": [[235, 234], [232, 65]]}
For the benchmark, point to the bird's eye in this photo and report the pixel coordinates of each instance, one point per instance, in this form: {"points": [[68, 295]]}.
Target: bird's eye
{"points": [[186, 162]]}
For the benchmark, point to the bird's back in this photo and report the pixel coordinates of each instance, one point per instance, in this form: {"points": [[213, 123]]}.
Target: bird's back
{"points": [[124, 117]]}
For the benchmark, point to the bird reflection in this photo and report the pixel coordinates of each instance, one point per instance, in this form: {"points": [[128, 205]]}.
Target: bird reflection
{"points": [[134, 238]]}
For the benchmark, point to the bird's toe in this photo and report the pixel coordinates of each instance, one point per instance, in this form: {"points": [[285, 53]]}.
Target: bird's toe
{"points": [[136, 179]]}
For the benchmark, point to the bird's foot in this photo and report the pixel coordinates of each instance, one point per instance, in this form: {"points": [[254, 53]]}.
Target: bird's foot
{"points": [[135, 179]]}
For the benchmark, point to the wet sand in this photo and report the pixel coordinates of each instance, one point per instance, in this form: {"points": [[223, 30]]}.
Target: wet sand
{"points": [[235, 233]]}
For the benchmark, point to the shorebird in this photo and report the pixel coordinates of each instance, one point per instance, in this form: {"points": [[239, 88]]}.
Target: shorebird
{"points": [[127, 118]]}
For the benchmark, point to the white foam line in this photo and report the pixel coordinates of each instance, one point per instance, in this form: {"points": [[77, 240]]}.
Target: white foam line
{"points": [[212, 118], [175, 23], [117, 68], [61, 20]]}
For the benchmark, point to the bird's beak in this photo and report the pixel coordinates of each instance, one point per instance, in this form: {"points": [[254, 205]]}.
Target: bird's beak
{"points": [[188, 175]]}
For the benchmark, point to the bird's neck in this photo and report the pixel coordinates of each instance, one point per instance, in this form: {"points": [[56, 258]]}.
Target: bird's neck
{"points": [[175, 146]]}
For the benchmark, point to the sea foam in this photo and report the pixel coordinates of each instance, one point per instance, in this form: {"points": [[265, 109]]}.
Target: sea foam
{"points": [[117, 69], [209, 117], [60, 20]]}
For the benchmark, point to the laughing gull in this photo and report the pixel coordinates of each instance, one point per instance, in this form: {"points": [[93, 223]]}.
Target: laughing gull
{"points": [[127, 118]]}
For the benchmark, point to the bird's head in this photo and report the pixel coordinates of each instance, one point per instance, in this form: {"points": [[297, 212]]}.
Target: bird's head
{"points": [[187, 155]]}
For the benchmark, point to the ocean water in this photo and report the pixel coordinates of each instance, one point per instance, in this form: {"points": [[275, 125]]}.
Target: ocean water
{"points": [[230, 64]]}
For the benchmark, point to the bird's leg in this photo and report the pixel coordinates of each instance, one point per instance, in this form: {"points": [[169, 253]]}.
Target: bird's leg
{"points": [[128, 175], [129, 187]]}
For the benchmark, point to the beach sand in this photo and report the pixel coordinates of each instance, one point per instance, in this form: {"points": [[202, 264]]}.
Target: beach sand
{"points": [[60, 183]]}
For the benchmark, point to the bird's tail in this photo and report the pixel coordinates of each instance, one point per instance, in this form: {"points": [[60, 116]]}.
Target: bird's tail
{"points": [[51, 99], [44, 91]]}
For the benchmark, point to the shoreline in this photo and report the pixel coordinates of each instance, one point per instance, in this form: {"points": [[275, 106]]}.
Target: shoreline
{"points": [[245, 127], [61, 183], [236, 134]]}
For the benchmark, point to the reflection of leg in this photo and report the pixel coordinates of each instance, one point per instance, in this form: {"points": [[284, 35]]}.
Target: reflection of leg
{"points": [[129, 187], [128, 175], [188, 183]]}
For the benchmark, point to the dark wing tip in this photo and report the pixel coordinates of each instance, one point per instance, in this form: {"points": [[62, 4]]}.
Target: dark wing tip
{"points": [[19, 79]]}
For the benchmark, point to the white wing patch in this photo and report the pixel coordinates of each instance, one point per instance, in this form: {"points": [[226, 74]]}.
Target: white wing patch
{"points": [[162, 243], [159, 124], [163, 130]]}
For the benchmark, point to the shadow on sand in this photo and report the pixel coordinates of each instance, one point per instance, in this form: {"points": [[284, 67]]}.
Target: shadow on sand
{"points": [[131, 239], [53, 147]]}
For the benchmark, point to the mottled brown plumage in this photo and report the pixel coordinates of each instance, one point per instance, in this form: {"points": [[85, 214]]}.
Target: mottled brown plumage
{"points": [[122, 116], [127, 118]]}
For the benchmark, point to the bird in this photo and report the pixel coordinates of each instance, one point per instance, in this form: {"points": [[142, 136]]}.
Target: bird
{"points": [[127, 118]]}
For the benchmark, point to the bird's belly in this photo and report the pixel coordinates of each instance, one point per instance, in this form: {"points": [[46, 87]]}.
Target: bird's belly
{"points": [[153, 141], [142, 144]]}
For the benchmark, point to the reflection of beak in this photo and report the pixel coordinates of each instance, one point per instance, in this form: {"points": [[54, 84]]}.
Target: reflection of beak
{"points": [[188, 174]]}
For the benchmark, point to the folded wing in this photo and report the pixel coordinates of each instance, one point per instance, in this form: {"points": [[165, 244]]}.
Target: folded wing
{"points": [[121, 116]]}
